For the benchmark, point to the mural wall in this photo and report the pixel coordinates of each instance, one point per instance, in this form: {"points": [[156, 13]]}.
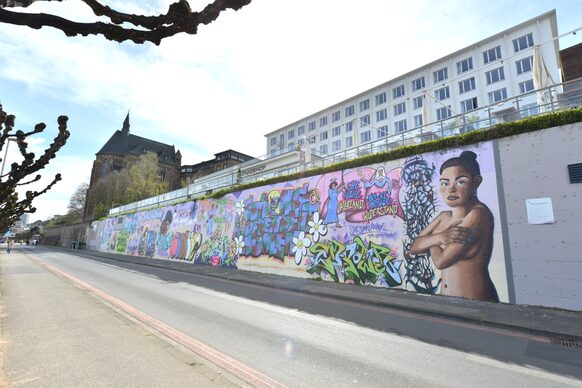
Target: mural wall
{"points": [[428, 224]]}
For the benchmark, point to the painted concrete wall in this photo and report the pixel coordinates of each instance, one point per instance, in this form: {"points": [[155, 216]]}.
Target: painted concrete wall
{"points": [[357, 226], [546, 260], [362, 232]]}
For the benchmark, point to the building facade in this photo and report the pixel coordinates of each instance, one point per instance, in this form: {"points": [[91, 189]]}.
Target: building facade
{"points": [[222, 161], [488, 72]]}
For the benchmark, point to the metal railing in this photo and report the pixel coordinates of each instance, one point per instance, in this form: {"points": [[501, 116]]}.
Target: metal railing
{"points": [[551, 99]]}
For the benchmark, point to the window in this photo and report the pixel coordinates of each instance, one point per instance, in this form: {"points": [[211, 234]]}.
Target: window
{"points": [[311, 139], [291, 147], [441, 75], [417, 102], [349, 126], [491, 55], [365, 120], [465, 65], [399, 108], [311, 125], [381, 115], [350, 111], [495, 75], [365, 137], [273, 141], [398, 91], [444, 113], [300, 141], [469, 104], [524, 65], [282, 139], [442, 93], [381, 98], [418, 84], [335, 116], [400, 126], [382, 131], [497, 95], [105, 168], [523, 42], [291, 134], [526, 86], [323, 136], [336, 131], [323, 149], [300, 130], [417, 121], [364, 105], [349, 142], [323, 121], [336, 146], [466, 85]]}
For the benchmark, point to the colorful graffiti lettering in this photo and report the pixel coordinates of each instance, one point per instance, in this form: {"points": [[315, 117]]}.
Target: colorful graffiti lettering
{"points": [[357, 262], [269, 230]]}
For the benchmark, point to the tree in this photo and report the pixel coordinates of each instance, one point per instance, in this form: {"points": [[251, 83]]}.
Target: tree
{"points": [[11, 206], [144, 179], [179, 18], [77, 204]]}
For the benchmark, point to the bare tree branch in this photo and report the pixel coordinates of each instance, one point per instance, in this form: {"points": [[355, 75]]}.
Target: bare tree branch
{"points": [[179, 18], [11, 207]]}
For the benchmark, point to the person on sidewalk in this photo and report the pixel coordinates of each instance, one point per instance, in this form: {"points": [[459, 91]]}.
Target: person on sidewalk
{"points": [[9, 246]]}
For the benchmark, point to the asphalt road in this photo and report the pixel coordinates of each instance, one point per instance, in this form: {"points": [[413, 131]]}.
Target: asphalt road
{"points": [[305, 340]]}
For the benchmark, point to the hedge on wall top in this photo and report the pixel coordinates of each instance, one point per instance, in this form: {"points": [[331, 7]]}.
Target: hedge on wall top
{"points": [[498, 131]]}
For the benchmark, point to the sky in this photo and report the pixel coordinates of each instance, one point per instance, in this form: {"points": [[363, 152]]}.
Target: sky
{"points": [[248, 73]]}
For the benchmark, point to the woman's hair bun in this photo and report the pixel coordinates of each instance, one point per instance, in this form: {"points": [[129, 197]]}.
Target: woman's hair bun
{"points": [[468, 155]]}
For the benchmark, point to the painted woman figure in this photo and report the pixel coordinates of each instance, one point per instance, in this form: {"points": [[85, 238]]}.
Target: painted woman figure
{"points": [[460, 241], [379, 180], [332, 204]]}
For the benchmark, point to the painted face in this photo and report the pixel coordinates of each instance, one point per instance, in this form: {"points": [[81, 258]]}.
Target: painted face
{"points": [[457, 186]]}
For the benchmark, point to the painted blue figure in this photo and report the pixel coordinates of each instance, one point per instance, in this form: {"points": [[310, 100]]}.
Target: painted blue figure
{"points": [[379, 179], [332, 203]]}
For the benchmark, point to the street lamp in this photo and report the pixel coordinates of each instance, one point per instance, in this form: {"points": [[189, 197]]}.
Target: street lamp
{"points": [[8, 140]]}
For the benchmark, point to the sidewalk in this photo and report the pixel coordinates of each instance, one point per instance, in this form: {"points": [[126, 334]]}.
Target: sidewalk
{"points": [[55, 334], [561, 325]]}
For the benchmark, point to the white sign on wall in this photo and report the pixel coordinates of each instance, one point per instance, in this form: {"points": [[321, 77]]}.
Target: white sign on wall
{"points": [[540, 211]]}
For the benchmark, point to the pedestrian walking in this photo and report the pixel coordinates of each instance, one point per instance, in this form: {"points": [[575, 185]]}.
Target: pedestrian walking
{"points": [[10, 245]]}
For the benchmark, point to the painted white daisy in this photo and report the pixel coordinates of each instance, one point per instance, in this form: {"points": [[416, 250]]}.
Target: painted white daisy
{"points": [[240, 244], [301, 243], [240, 207], [317, 227]]}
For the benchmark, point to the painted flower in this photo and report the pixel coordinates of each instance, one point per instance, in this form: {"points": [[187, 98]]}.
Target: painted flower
{"points": [[239, 244], [317, 227], [240, 207], [300, 248]]}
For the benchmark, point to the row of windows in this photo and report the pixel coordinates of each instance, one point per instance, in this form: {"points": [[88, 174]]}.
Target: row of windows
{"points": [[492, 76]]}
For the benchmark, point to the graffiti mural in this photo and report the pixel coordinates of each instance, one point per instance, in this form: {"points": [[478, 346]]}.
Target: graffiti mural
{"points": [[409, 224]]}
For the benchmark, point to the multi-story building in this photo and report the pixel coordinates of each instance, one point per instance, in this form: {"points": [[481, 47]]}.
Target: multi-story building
{"points": [[222, 161], [488, 72]]}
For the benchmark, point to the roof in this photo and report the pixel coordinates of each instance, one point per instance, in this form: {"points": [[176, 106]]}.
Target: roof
{"points": [[123, 143]]}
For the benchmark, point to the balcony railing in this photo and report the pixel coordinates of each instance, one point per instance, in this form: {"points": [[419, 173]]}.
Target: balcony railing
{"points": [[555, 98]]}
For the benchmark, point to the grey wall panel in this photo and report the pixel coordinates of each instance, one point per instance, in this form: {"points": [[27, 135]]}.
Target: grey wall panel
{"points": [[546, 259]]}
